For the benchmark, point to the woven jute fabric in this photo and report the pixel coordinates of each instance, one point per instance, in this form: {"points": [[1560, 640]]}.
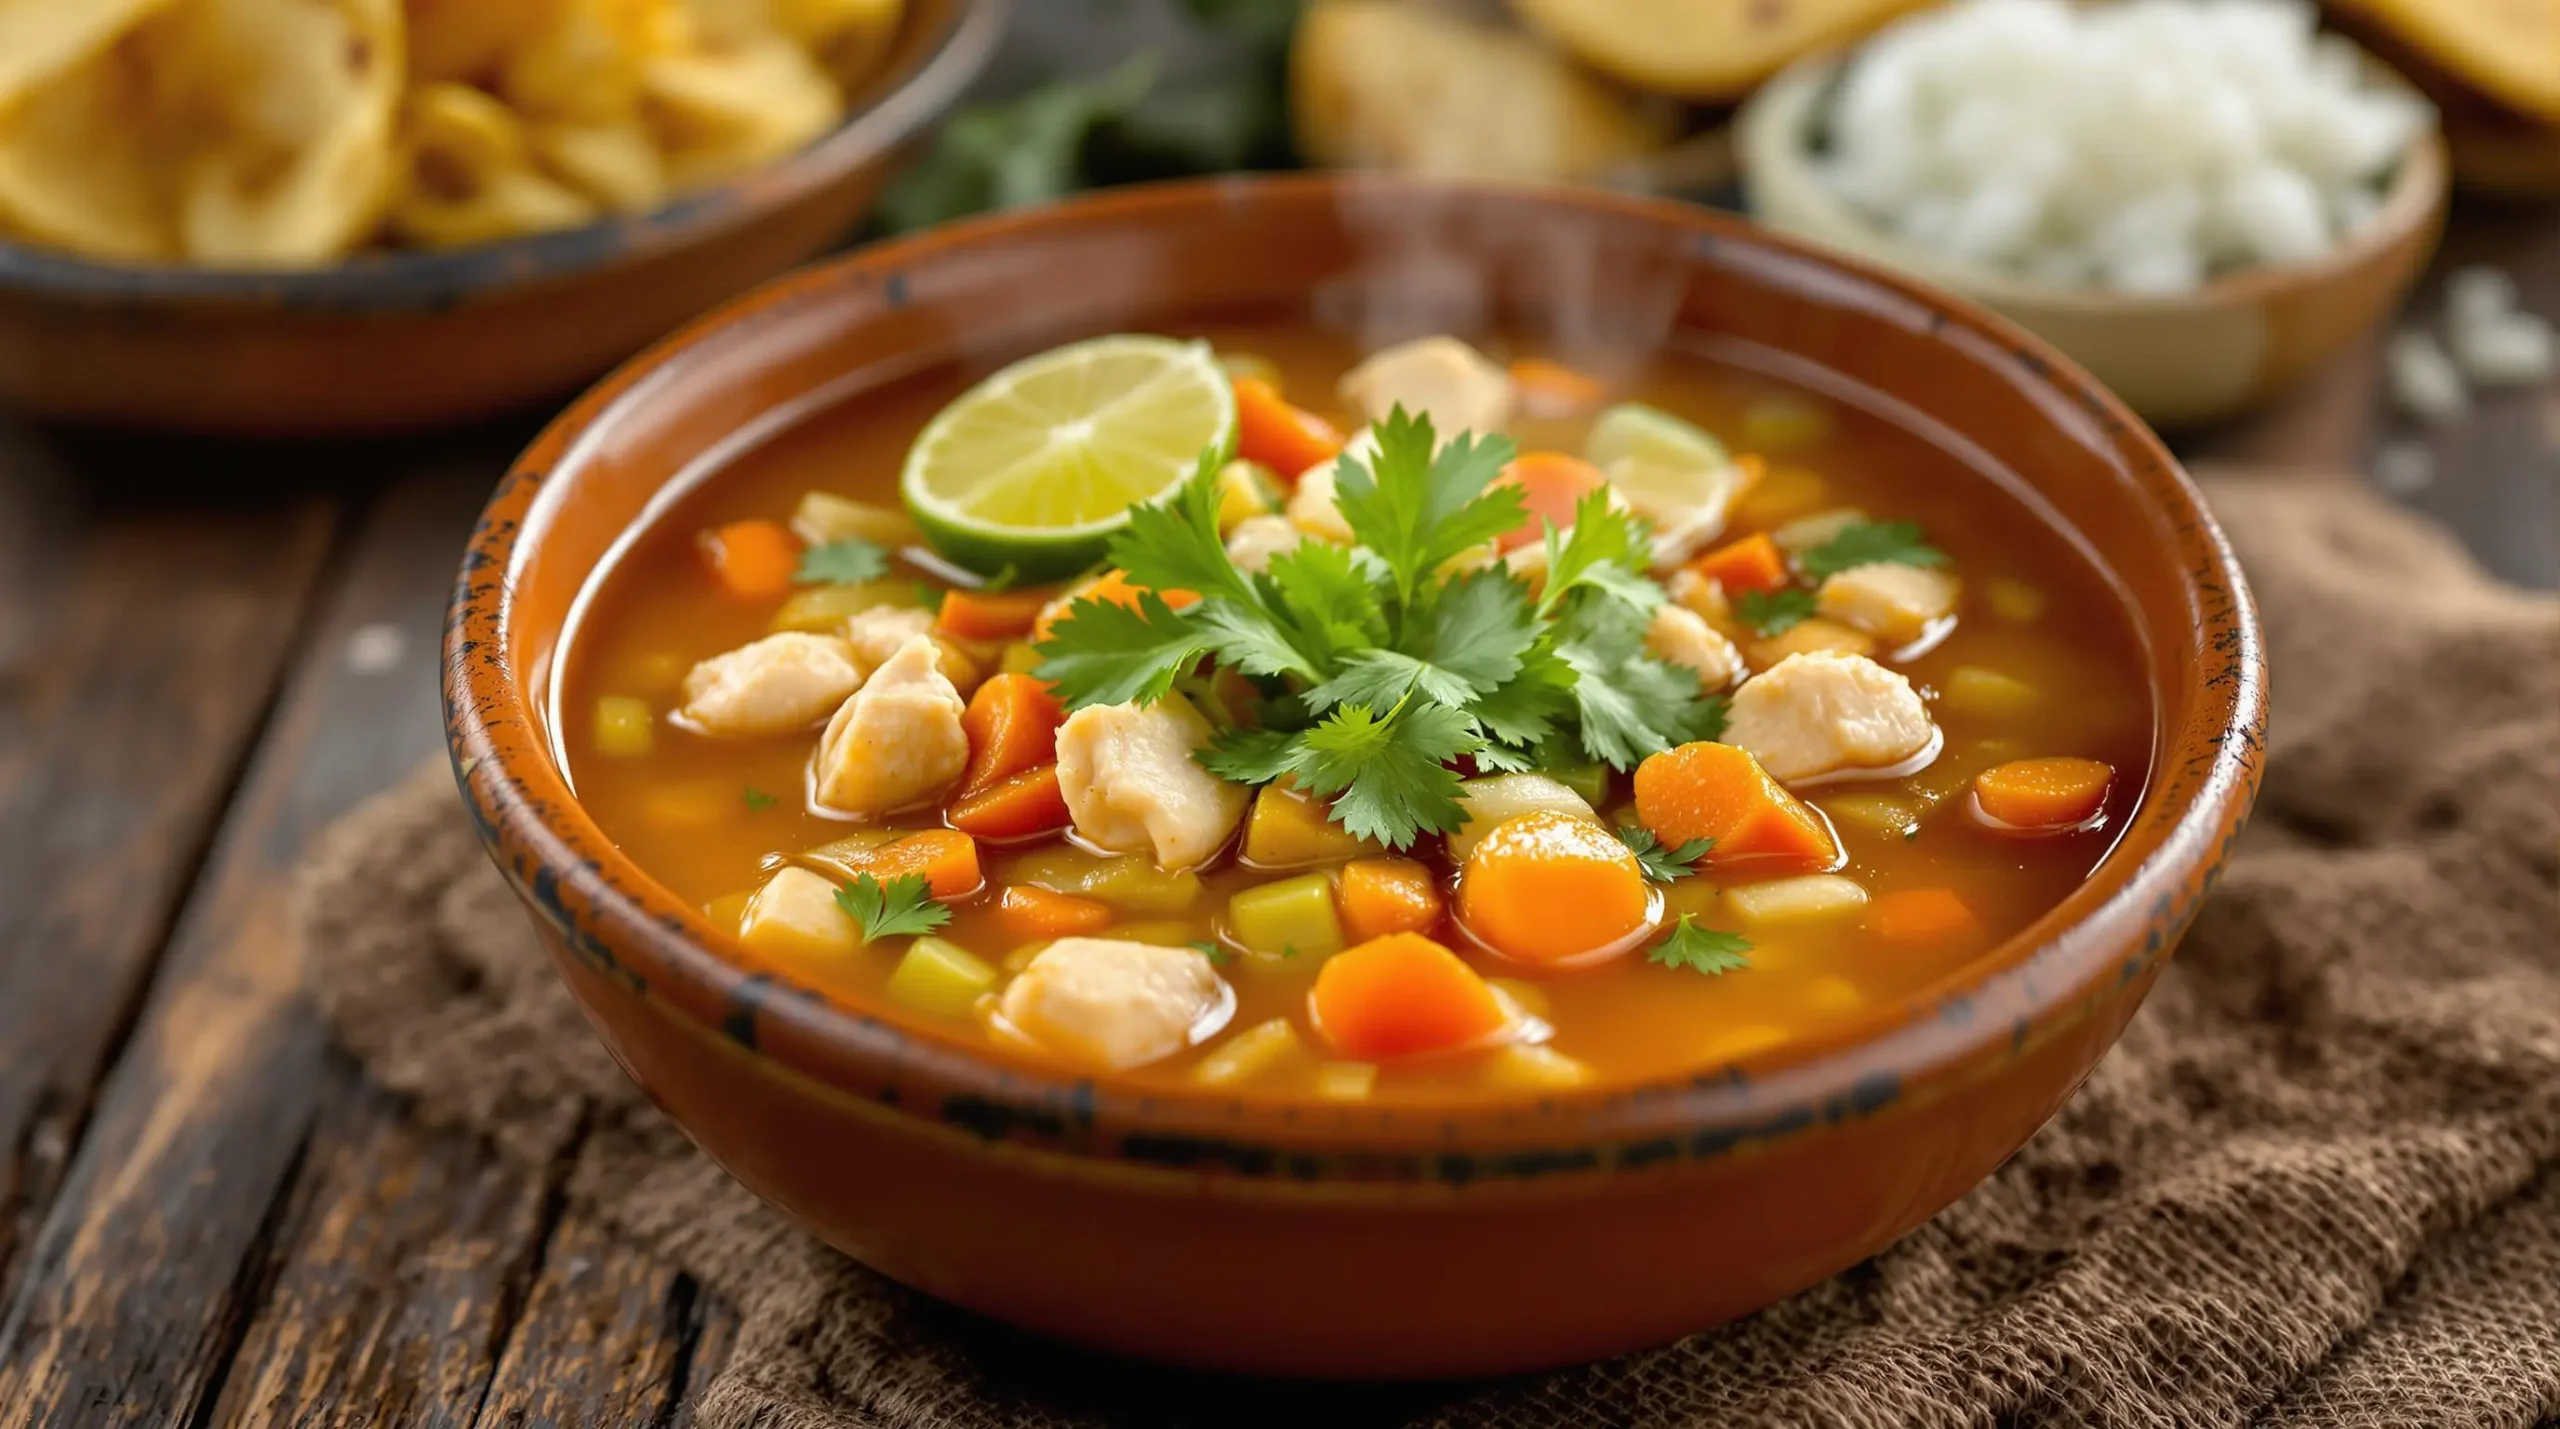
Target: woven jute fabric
{"points": [[2318, 1183]]}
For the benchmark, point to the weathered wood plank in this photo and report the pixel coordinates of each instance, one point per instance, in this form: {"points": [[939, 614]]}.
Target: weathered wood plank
{"points": [[606, 1338]]}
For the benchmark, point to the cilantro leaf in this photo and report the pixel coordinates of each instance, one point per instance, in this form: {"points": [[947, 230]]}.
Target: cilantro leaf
{"points": [[1605, 549], [1630, 703], [1478, 627], [1663, 865], [1105, 653], [1416, 509], [1708, 719], [1329, 596], [1247, 639], [1388, 778], [1380, 678], [756, 800], [1774, 612], [1174, 545], [903, 906], [1703, 950], [1216, 953], [1250, 756], [841, 562], [1524, 710], [1869, 543]]}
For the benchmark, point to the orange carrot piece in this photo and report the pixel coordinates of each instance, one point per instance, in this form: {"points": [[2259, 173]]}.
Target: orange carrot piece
{"points": [[1551, 485], [946, 859], [1113, 587], [1549, 887], [2043, 794], [1752, 563], [1012, 723], [1551, 389], [1024, 804], [1922, 918], [752, 560], [1286, 438], [990, 615], [1717, 791], [1402, 995], [1030, 914], [1379, 896]]}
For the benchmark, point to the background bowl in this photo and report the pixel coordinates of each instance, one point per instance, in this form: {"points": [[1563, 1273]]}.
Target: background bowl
{"points": [[1354, 1240], [410, 339], [2176, 359]]}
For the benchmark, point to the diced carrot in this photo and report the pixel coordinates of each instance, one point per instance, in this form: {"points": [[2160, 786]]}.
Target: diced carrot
{"points": [[1547, 887], [2043, 794], [752, 560], [1285, 438], [1551, 389], [991, 615], [1029, 914], [1012, 723], [1402, 995], [1752, 563], [1386, 895], [1027, 803], [1551, 485], [947, 859], [1113, 587], [1922, 918], [1717, 791]]}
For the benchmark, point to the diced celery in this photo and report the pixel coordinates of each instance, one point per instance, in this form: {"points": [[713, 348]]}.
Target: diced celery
{"points": [[1252, 1053], [795, 918], [1286, 829], [1245, 488], [1784, 424], [1134, 884], [823, 516], [1892, 815], [1634, 430], [1521, 1068], [1805, 899], [939, 978], [1497, 797], [2013, 599], [1806, 532], [1346, 1081], [625, 727], [1987, 694], [1590, 781], [1019, 658], [820, 609], [1292, 917]]}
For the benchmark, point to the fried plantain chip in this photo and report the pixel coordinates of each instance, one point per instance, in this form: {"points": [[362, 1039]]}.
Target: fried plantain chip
{"points": [[41, 39], [471, 39], [752, 99], [84, 158], [467, 174], [1704, 49]]}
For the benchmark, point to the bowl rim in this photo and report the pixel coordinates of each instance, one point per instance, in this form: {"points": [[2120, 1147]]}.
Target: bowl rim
{"points": [[1770, 133], [604, 911], [430, 279]]}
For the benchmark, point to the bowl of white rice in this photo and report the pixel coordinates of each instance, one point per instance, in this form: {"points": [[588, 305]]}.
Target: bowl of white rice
{"points": [[2199, 200]]}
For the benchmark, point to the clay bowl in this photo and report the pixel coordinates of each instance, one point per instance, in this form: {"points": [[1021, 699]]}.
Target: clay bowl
{"points": [[1351, 1240], [2176, 359], [405, 340]]}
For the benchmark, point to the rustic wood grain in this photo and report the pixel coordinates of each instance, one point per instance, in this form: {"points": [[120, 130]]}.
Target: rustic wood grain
{"points": [[607, 1338]]}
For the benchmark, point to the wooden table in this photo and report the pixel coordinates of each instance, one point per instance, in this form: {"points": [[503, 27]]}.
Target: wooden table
{"points": [[209, 651]]}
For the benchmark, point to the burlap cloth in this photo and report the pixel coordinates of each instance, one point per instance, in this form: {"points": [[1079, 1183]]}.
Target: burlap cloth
{"points": [[2318, 1182]]}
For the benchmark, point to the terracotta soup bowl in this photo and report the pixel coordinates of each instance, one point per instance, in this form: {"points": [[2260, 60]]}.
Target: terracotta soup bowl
{"points": [[1356, 1239]]}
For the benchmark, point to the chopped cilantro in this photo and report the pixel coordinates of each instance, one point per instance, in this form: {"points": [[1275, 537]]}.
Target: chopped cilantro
{"points": [[903, 906], [1703, 950], [1869, 543], [842, 562], [1415, 509], [1663, 865], [1774, 612], [1218, 954], [1106, 653], [756, 800]]}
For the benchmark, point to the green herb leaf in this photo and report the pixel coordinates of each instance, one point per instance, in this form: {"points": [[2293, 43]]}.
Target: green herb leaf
{"points": [[902, 907], [1415, 510], [1663, 865], [1869, 543], [1774, 612], [842, 562], [1605, 550], [1174, 545], [1524, 711], [1478, 627], [1251, 756], [1703, 950], [1631, 704], [1388, 778], [1105, 653], [756, 800], [1218, 954]]}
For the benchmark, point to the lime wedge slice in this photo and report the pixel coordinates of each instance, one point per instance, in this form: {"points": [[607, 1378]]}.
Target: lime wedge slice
{"points": [[1651, 435], [1035, 467]]}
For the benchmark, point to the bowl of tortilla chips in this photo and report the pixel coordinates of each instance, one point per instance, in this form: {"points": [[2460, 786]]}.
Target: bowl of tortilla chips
{"points": [[300, 216]]}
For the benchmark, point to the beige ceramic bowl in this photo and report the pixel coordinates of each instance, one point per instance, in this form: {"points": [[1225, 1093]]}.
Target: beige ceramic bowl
{"points": [[2178, 359]]}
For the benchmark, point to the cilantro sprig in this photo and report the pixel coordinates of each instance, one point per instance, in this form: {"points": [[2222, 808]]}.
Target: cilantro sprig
{"points": [[902, 907], [1701, 950], [1868, 543], [1775, 612], [1661, 864], [842, 562]]}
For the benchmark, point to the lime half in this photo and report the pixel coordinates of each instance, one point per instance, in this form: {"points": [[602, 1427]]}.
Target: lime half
{"points": [[1035, 467]]}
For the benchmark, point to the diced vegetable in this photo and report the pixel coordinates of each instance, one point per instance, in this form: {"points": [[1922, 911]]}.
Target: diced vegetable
{"points": [[1027, 914], [1783, 493], [1346, 1081], [939, 978], [1280, 436], [823, 609], [1987, 694], [1246, 489], [1293, 917], [1525, 998], [1401, 996], [1287, 829], [1923, 918], [1163, 932], [2012, 599], [1128, 881], [1784, 424], [1806, 532], [1588, 781], [1716, 791], [1379, 896], [1810, 637], [2043, 794], [794, 918], [1547, 887], [1803, 899], [752, 560], [1634, 431], [823, 517], [1020, 657], [1498, 797], [1253, 1053], [991, 615], [624, 727], [1551, 485], [1892, 815], [1027, 804], [1551, 389], [1012, 723], [946, 859], [1752, 563], [1522, 1068]]}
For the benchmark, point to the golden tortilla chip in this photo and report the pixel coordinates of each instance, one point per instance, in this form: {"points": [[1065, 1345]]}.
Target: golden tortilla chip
{"points": [[1705, 49], [467, 173], [750, 101], [2506, 50], [40, 39], [617, 165], [83, 163], [471, 39], [584, 68]]}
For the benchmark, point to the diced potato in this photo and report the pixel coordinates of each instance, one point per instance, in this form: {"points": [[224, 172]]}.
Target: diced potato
{"points": [[1249, 1055], [1781, 496], [1113, 1003], [2012, 599], [1293, 917], [939, 978], [795, 918], [725, 911], [1346, 1081], [1289, 830], [1806, 532], [1020, 657], [1314, 509], [1129, 882], [1245, 489], [1781, 424], [1526, 997], [1497, 797], [824, 609], [1891, 815], [1987, 694], [1810, 898], [1895, 603], [1259, 540], [625, 728], [823, 516], [1809, 637], [1521, 1068]]}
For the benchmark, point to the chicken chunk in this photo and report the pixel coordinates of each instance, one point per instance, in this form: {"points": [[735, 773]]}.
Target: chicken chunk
{"points": [[898, 742], [1895, 603], [1257, 539], [772, 686], [1459, 388], [1683, 637], [1112, 1003], [876, 634], [1813, 715], [1314, 510], [1132, 786]]}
